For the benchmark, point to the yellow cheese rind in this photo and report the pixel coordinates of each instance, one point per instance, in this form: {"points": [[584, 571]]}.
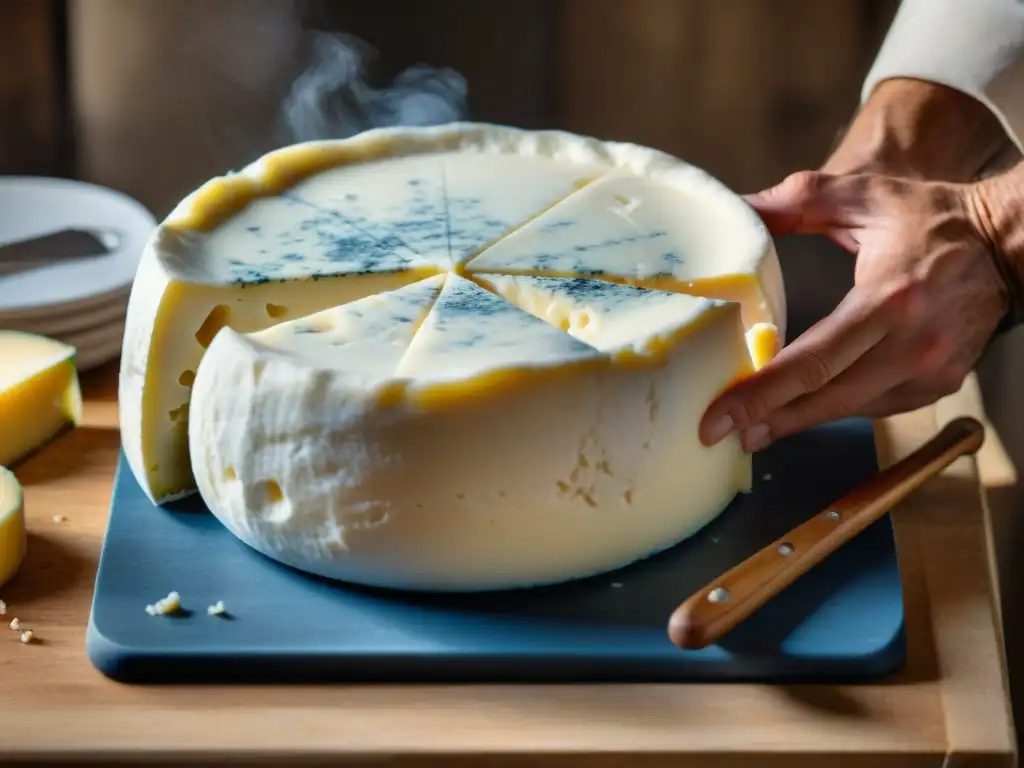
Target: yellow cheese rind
{"points": [[40, 396], [13, 532]]}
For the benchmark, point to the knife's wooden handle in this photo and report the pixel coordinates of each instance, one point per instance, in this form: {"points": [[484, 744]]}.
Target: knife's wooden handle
{"points": [[714, 610]]}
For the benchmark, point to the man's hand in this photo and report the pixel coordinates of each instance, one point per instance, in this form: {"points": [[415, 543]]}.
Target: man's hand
{"points": [[927, 296]]}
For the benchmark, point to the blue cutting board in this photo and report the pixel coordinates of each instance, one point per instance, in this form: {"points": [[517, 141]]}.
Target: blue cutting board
{"points": [[843, 621]]}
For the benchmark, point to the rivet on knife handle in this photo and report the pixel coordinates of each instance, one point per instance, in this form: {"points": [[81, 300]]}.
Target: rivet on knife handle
{"points": [[715, 610]]}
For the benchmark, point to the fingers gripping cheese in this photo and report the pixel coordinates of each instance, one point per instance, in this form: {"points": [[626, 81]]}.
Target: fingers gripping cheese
{"points": [[533, 294]]}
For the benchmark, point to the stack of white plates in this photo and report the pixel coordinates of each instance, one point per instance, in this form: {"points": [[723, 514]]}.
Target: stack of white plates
{"points": [[80, 301]]}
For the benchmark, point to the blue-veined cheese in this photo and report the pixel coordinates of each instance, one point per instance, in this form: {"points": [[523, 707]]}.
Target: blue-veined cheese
{"points": [[658, 231], [503, 451], [472, 335], [365, 339], [310, 227], [499, 442], [619, 318]]}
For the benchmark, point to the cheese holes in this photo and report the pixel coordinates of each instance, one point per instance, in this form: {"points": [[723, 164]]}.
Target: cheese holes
{"points": [[230, 474], [187, 378], [276, 310], [219, 317], [273, 492]]}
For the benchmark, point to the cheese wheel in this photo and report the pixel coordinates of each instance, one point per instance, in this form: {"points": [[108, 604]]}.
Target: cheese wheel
{"points": [[454, 358], [322, 224]]}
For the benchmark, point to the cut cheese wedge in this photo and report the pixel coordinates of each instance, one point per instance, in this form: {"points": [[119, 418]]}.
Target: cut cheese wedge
{"points": [[547, 459], [479, 215], [643, 231], [13, 533], [39, 393], [472, 339], [366, 339], [615, 318]]}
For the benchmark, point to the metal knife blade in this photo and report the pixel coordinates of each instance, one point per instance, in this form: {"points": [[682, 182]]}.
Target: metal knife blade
{"points": [[61, 246]]}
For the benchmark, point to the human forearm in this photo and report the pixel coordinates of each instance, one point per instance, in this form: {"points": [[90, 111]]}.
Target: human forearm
{"points": [[918, 129]]}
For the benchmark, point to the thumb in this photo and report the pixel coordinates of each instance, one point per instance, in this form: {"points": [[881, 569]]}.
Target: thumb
{"points": [[805, 203]]}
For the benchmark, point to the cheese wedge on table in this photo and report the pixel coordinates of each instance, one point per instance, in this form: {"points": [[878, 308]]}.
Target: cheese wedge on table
{"points": [[39, 393], [536, 422], [13, 533]]}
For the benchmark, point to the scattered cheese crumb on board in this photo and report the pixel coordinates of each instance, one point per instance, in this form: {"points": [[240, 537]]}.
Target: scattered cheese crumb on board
{"points": [[15, 624], [170, 604], [27, 636], [217, 609]]}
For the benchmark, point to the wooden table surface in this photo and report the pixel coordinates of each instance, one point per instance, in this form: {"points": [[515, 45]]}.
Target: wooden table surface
{"points": [[951, 700]]}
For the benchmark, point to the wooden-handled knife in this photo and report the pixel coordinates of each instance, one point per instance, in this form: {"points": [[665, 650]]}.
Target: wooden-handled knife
{"points": [[707, 615]]}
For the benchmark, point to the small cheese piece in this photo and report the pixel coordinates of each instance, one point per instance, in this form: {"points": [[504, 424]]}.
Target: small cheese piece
{"points": [[554, 459], [165, 606], [674, 233], [13, 533], [366, 338], [764, 343], [39, 393]]}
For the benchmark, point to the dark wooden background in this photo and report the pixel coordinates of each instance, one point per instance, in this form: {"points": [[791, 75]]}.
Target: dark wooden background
{"points": [[749, 89]]}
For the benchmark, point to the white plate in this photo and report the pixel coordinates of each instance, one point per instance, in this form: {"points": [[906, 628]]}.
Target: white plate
{"points": [[31, 206], [59, 323], [96, 345]]}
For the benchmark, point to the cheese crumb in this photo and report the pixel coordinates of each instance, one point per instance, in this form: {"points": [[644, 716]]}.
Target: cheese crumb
{"points": [[26, 636], [170, 604], [3, 607], [217, 609], [767, 476], [59, 518], [15, 624]]}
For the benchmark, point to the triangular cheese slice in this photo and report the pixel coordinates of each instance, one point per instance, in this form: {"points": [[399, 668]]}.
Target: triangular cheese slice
{"points": [[366, 338], [481, 212], [387, 216], [607, 316], [471, 333], [633, 229]]}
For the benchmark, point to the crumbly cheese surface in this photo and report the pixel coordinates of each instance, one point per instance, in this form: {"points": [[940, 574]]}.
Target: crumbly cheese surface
{"points": [[455, 357]]}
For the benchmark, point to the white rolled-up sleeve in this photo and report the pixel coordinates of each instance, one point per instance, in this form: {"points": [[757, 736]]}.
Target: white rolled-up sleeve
{"points": [[974, 46]]}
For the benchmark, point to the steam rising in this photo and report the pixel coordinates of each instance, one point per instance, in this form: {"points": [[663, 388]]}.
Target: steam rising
{"points": [[331, 98]]}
